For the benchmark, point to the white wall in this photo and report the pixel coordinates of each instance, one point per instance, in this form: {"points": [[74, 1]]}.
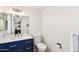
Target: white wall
{"points": [[58, 24], [34, 17]]}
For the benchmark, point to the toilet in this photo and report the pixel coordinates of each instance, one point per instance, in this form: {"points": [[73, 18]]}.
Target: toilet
{"points": [[38, 42]]}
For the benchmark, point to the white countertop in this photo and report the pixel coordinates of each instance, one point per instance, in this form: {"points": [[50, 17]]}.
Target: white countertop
{"points": [[11, 38]]}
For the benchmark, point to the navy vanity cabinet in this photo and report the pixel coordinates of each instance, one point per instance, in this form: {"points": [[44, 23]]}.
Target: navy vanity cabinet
{"points": [[17, 46]]}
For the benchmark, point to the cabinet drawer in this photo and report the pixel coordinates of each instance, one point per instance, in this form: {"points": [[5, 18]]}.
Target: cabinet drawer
{"points": [[25, 43], [28, 41]]}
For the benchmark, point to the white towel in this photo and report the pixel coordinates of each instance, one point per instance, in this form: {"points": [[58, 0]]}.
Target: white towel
{"points": [[75, 43]]}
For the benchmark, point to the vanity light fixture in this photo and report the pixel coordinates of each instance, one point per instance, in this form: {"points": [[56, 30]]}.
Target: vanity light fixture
{"points": [[17, 10], [2, 9]]}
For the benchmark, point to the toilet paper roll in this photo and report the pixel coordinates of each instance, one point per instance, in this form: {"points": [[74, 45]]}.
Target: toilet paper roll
{"points": [[58, 46]]}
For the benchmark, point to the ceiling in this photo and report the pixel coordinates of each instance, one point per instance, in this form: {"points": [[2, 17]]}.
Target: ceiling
{"points": [[38, 7]]}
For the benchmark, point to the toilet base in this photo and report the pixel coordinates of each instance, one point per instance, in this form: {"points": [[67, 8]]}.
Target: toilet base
{"points": [[35, 49], [41, 47]]}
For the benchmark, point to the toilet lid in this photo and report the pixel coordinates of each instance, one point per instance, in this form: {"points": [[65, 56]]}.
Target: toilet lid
{"points": [[41, 45]]}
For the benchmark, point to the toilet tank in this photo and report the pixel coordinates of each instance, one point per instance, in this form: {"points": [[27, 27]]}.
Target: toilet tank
{"points": [[37, 38]]}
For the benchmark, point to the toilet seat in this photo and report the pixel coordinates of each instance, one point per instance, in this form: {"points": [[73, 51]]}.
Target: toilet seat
{"points": [[41, 46]]}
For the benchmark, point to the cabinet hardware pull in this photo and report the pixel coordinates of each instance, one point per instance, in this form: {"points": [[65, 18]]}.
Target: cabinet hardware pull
{"points": [[28, 41], [13, 46], [4, 49], [28, 48]]}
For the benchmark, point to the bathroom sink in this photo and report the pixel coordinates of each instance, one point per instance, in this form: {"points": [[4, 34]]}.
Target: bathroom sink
{"points": [[11, 38]]}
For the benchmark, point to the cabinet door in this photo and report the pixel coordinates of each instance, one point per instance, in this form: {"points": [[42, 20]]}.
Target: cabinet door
{"points": [[25, 46], [20, 46], [28, 45], [12, 46], [4, 47]]}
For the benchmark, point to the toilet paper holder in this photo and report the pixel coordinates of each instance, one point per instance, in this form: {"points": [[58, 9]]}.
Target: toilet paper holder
{"points": [[59, 45]]}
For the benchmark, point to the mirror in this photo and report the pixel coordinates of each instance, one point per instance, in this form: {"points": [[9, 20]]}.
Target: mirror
{"points": [[25, 25], [9, 23], [2, 27], [17, 24], [3, 23], [21, 23]]}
